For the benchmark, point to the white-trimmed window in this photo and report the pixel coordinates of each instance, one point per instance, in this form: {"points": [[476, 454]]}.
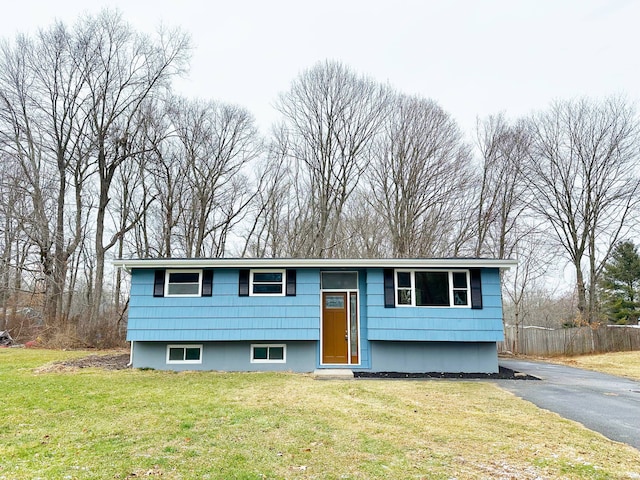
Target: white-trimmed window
{"points": [[183, 283], [267, 282], [269, 353], [184, 354], [432, 288]]}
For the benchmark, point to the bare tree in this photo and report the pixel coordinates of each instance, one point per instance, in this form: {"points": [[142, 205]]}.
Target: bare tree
{"points": [[123, 69], [162, 185], [501, 190], [217, 142], [331, 117], [582, 174], [42, 91], [363, 234], [534, 260], [420, 171], [11, 238], [268, 234]]}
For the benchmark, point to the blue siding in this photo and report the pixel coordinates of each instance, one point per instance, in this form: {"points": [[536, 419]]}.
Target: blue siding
{"points": [[365, 351], [435, 324], [224, 315]]}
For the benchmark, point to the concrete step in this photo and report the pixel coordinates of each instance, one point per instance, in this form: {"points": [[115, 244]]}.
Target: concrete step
{"points": [[333, 374]]}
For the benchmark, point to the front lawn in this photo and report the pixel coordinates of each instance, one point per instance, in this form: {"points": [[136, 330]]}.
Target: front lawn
{"points": [[98, 424], [623, 364]]}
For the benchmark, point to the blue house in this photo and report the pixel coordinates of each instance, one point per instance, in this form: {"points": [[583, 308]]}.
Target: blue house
{"points": [[373, 315]]}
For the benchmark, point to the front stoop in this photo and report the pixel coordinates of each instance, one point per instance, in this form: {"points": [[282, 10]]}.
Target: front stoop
{"points": [[333, 374]]}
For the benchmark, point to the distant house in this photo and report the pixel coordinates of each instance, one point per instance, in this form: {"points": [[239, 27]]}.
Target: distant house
{"points": [[374, 315]]}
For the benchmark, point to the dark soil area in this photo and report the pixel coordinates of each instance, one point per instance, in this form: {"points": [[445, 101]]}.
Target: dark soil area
{"points": [[503, 374], [116, 361]]}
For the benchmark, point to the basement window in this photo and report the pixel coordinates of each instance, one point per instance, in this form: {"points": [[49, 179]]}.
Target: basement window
{"points": [[261, 353], [184, 354]]}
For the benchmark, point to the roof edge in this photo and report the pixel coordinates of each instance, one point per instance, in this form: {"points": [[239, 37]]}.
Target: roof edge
{"points": [[457, 262]]}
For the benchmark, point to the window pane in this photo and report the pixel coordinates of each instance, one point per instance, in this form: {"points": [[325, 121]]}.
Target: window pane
{"points": [[460, 297], [192, 354], [267, 288], [432, 288], [176, 354], [353, 310], [183, 289], [339, 280], [404, 279], [334, 301], [276, 353], [267, 277], [404, 297], [459, 280], [184, 277], [260, 353]]}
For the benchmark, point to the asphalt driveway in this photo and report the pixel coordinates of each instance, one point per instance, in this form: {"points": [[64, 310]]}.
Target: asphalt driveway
{"points": [[604, 403]]}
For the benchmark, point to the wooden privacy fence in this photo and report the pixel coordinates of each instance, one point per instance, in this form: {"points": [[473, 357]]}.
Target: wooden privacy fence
{"points": [[569, 341]]}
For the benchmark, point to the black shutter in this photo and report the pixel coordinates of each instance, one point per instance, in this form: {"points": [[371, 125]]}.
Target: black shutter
{"points": [[207, 283], [158, 284], [389, 289], [243, 283], [291, 283], [476, 289]]}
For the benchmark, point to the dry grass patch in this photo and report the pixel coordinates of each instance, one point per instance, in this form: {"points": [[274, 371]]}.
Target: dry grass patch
{"points": [[623, 364], [97, 424]]}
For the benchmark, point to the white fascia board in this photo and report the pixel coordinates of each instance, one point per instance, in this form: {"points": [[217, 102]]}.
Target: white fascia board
{"points": [[314, 263]]}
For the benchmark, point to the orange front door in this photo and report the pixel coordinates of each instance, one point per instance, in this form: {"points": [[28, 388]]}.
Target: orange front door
{"points": [[335, 335]]}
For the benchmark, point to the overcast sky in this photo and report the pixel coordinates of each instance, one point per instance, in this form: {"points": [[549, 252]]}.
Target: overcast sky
{"points": [[473, 57]]}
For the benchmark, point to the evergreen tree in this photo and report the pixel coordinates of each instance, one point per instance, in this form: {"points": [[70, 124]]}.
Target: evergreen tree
{"points": [[620, 285]]}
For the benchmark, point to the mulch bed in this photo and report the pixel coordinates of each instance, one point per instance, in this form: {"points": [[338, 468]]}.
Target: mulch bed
{"points": [[503, 374]]}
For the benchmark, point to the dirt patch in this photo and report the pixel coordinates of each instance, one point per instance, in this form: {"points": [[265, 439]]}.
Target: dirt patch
{"points": [[116, 361]]}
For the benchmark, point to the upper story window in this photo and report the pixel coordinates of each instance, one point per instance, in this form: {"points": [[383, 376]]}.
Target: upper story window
{"points": [[267, 282], [183, 283], [432, 288], [273, 282]]}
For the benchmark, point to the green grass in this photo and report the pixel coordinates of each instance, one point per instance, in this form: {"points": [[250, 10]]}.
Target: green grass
{"points": [[623, 364], [96, 424]]}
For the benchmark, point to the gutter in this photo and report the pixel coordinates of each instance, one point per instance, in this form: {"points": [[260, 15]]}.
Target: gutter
{"points": [[129, 264], [130, 355]]}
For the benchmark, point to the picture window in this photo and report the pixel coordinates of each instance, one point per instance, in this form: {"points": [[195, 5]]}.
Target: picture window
{"points": [[432, 288]]}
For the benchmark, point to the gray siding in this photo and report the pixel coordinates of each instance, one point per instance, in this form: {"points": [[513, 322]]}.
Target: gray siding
{"points": [[226, 356], [420, 357], [409, 357]]}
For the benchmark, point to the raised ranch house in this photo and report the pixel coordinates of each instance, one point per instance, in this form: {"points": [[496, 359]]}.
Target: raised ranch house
{"points": [[374, 315]]}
